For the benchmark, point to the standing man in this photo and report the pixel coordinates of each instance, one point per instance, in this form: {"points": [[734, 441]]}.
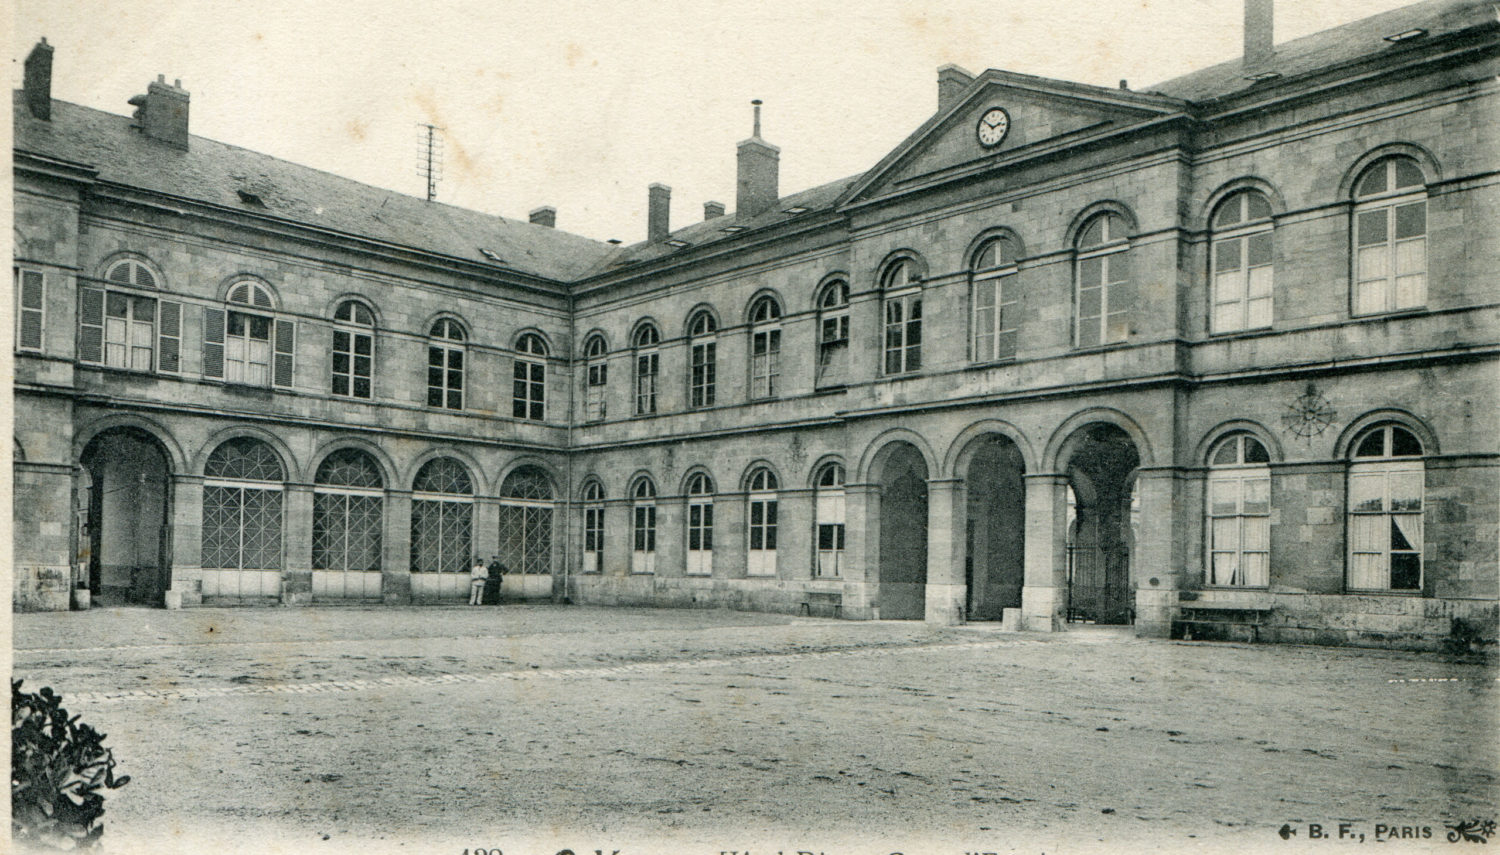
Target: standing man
{"points": [[477, 575], [497, 572]]}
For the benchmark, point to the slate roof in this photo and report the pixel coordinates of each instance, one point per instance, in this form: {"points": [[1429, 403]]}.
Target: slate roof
{"points": [[215, 173], [1334, 47]]}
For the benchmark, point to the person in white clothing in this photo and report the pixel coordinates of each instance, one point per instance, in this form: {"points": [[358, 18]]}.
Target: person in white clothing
{"points": [[477, 575]]}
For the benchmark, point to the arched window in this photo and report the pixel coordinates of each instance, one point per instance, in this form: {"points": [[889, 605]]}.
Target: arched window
{"points": [[348, 519], [833, 333], [353, 349], [762, 519], [529, 397], [1106, 294], [123, 328], [242, 485], [1390, 237], [130, 271], [596, 367], [647, 367], [700, 502], [828, 510], [1242, 263], [992, 300], [445, 365], [442, 527], [901, 285], [643, 526], [1239, 513], [238, 341], [702, 359], [526, 521], [765, 348], [1386, 486], [593, 528]]}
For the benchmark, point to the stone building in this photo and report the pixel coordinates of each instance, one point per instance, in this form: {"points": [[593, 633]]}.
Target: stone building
{"points": [[1215, 356]]}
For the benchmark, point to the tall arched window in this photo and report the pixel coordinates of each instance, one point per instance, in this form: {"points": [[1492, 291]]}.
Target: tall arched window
{"points": [[762, 520], [702, 359], [596, 377], [1390, 237], [1386, 486], [529, 394], [526, 521], [1242, 263], [828, 510], [242, 485], [348, 520], [1239, 513], [1106, 294], [992, 300], [647, 367], [700, 530], [643, 526], [833, 333], [124, 325], [765, 348], [238, 341], [593, 528], [445, 365], [442, 525], [901, 285], [353, 349]]}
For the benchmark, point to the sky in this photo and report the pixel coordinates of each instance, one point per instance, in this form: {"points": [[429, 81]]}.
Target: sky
{"points": [[582, 105]]}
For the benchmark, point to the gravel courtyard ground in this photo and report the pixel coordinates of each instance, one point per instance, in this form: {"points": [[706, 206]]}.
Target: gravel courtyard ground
{"points": [[533, 729]]}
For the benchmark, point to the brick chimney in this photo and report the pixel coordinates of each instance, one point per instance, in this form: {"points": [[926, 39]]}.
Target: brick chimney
{"points": [[162, 113], [658, 212], [37, 81], [713, 210], [952, 81], [545, 216], [759, 163], [1259, 42]]}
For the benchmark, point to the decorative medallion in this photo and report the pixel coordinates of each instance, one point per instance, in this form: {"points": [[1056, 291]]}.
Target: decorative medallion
{"points": [[1309, 415]]}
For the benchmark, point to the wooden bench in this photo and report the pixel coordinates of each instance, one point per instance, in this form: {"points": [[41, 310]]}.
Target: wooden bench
{"points": [[1212, 622], [834, 599]]}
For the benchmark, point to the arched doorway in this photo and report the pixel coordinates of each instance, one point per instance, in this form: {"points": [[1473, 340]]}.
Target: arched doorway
{"points": [[1101, 468], [903, 533], [348, 520], [526, 530], [995, 528], [126, 537]]}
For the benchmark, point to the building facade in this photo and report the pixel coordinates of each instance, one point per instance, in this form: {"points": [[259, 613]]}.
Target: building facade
{"points": [[1221, 354]]}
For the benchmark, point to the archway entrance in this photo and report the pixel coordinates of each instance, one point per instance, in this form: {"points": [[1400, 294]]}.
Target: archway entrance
{"points": [[903, 534], [1101, 525], [126, 534], [526, 531], [994, 568]]}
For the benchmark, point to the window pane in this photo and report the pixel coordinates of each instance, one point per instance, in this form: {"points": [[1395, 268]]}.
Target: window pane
{"points": [[1255, 452], [1407, 174], [1223, 496], [1090, 302], [1372, 228], [1257, 206], [1367, 533], [1406, 490], [1256, 568], [1257, 533], [1373, 445], [1226, 533], [1224, 569], [1227, 255], [1406, 572], [1367, 571], [1411, 220], [1374, 181], [1090, 272], [1119, 267], [1411, 257], [1367, 492], [1257, 495], [1259, 249]]}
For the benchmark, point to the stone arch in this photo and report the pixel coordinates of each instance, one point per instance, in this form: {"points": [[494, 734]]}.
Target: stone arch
{"points": [[825, 460], [816, 294], [590, 336], [523, 462], [482, 485], [1343, 446], [1431, 169], [387, 466], [589, 480], [878, 451], [1088, 213], [515, 341], [986, 236], [1212, 436], [1203, 217], [139, 258], [1068, 432], [355, 297], [295, 473], [445, 315], [756, 465], [764, 293], [696, 469], [175, 457], [919, 265], [965, 443], [713, 315], [230, 281]]}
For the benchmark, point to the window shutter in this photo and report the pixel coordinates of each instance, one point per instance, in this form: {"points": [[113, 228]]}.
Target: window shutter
{"points": [[29, 337], [286, 333], [90, 325], [213, 343], [169, 337]]}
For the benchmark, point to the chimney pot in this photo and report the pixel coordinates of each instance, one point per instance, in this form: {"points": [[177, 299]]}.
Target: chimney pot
{"points": [[658, 211], [545, 216], [758, 166], [37, 81], [1259, 38], [162, 113], [713, 210], [952, 81]]}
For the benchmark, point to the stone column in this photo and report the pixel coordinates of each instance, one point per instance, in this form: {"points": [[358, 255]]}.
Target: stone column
{"points": [[395, 564], [487, 530], [187, 539], [1044, 592], [1156, 565], [945, 552], [861, 550], [731, 537], [794, 531], [296, 575]]}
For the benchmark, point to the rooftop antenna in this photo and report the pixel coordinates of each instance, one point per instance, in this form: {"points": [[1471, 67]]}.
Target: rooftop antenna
{"points": [[430, 157]]}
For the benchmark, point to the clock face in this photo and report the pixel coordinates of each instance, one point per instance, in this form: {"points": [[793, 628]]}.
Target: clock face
{"points": [[992, 127]]}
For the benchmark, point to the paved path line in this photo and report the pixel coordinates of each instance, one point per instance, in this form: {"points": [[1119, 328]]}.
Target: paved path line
{"points": [[374, 683]]}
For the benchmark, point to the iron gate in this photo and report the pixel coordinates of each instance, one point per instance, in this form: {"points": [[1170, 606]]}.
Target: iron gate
{"points": [[1099, 585]]}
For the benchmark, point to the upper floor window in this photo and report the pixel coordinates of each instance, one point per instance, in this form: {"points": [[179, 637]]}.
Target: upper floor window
{"points": [[529, 388], [765, 347], [1106, 294], [31, 299], [1242, 263], [1386, 485], [700, 528], [445, 365], [246, 342], [1239, 513], [130, 271], [833, 333], [702, 359], [353, 349], [122, 326], [647, 367], [1390, 237], [992, 300], [828, 511], [763, 513], [901, 284], [596, 377]]}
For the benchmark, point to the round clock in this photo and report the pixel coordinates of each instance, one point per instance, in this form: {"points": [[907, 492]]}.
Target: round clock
{"points": [[992, 127]]}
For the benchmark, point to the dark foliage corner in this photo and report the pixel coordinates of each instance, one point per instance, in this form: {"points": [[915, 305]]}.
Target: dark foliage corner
{"points": [[57, 768]]}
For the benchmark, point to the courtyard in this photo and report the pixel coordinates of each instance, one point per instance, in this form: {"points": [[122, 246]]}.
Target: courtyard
{"points": [[536, 728]]}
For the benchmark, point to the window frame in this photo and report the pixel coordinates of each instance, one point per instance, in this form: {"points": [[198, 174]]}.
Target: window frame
{"points": [[645, 350], [702, 360], [998, 282], [529, 378], [1111, 251], [1389, 202], [762, 510], [593, 527], [355, 332], [901, 337], [1244, 234], [833, 334], [1245, 477], [595, 378], [829, 501], [700, 524], [1386, 467], [446, 340], [23, 311], [643, 532], [765, 348]]}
